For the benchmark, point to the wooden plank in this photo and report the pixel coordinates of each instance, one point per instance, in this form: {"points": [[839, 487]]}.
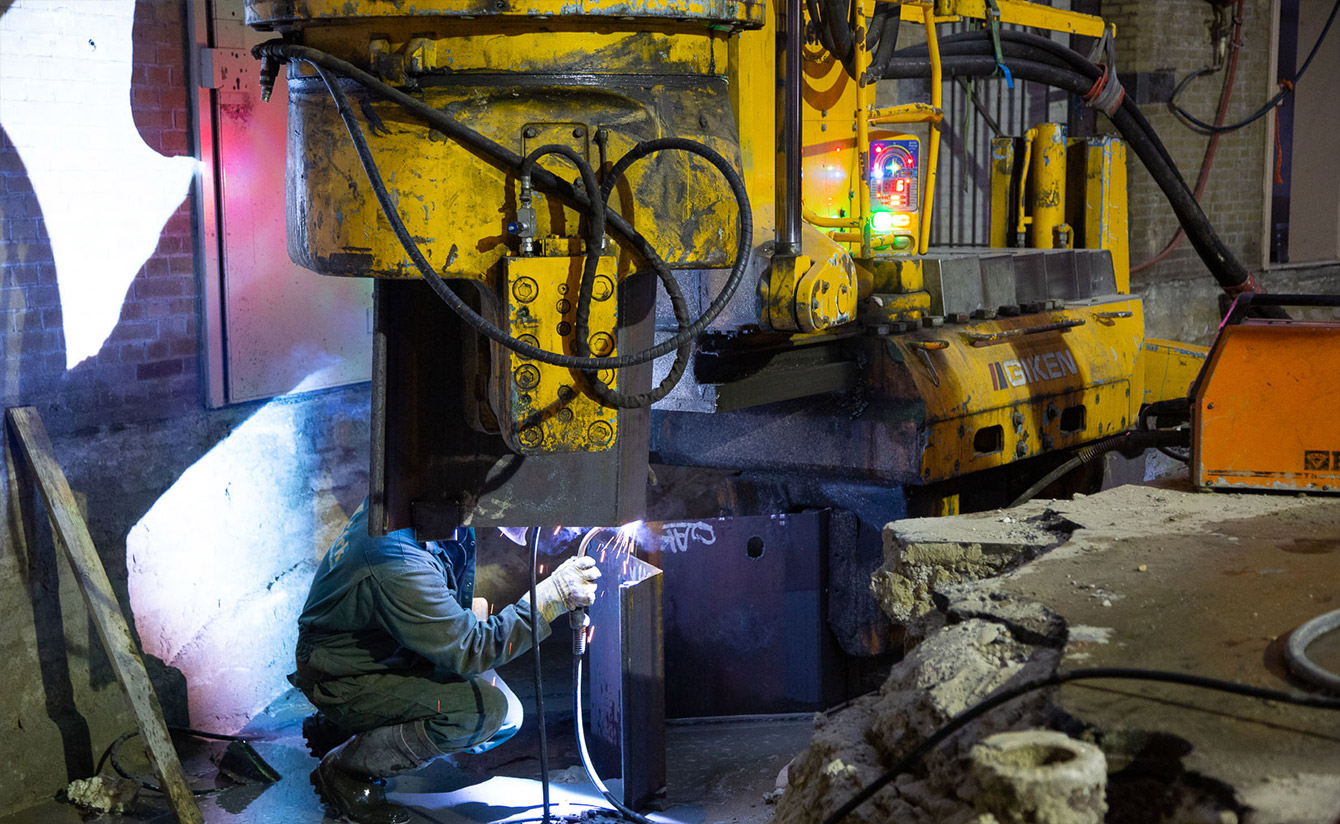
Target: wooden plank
{"points": [[39, 465]]}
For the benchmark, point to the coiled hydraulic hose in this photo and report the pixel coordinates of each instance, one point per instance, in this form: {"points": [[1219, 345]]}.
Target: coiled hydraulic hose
{"points": [[328, 66], [596, 216]]}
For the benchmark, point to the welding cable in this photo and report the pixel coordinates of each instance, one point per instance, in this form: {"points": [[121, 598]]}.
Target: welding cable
{"points": [[976, 711], [109, 755], [327, 65], [1232, 276], [1132, 440], [1212, 145], [591, 773], [1191, 122], [539, 681], [598, 205], [1295, 652], [1179, 408]]}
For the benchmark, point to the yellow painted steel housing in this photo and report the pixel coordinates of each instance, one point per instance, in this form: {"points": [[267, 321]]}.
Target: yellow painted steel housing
{"points": [[524, 74]]}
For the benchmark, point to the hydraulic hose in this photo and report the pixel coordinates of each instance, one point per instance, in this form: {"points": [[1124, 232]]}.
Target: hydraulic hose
{"points": [[327, 64], [596, 216], [1139, 440], [1232, 276], [976, 711]]}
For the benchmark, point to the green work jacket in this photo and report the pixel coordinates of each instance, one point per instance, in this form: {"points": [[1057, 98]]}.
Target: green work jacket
{"points": [[391, 603]]}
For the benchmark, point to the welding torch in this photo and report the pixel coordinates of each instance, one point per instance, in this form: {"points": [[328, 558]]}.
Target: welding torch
{"points": [[577, 618]]}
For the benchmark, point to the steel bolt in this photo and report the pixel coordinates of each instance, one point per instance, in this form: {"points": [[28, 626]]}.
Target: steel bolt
{"points": [[565, 415], [601, 344], [565, 393], [527, 376], [525, 290], [531, 132], [579, 132], [564, 328], [602, 288], [563, 306], [600, 433], [531, 437]]}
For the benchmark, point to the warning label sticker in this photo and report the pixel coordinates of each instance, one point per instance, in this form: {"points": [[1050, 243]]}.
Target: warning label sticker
{"points": [[1318, 460]]}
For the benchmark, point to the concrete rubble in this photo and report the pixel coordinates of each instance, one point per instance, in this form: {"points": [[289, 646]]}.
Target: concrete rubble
{"points": [[1151, 577], [101, 794]]}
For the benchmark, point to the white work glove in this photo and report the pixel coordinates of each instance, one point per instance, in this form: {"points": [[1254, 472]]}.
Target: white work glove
{"points": [[570, 586]]}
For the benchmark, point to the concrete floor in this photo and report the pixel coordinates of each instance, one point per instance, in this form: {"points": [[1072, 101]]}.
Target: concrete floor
{"points": [[717, 772]]}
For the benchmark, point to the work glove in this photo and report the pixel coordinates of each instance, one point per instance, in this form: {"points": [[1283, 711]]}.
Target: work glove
{"points": [[570, 586]]}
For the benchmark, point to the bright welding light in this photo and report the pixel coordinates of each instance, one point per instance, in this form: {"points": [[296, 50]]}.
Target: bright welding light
{"points": [[105, 195], [881, 221]]}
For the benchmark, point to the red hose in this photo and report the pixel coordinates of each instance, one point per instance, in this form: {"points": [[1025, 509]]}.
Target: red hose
{"points": [[1208, 160]]}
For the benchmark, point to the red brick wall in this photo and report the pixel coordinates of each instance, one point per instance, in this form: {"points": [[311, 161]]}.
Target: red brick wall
{"points": [[149, 367]]}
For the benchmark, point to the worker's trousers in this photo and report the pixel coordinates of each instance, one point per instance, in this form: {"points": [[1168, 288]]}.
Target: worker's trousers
{"points": [[471, 715]]}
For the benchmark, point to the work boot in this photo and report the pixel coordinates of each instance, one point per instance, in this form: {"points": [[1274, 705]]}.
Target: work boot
{"points": [[351, 778], [322, 735]]}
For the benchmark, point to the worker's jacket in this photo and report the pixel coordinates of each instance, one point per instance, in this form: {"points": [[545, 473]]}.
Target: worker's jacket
{"points": [[383, 604]]}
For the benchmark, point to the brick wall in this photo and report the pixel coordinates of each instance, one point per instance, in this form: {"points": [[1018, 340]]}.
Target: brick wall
{"points": [[148, 368], [1181, 297], [267, 483]]}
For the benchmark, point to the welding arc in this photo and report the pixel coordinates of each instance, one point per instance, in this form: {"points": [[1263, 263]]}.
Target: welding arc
{"points": [[326, 65], [976, 711]]}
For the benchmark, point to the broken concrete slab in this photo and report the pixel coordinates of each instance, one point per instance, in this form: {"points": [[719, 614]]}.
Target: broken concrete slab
{"points": [[1147, 577]]}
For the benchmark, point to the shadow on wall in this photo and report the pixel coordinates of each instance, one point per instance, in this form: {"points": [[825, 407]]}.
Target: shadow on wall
{"points": [[224, 509]]}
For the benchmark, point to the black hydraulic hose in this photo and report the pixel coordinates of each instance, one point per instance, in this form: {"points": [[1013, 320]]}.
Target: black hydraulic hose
{"points": [[836, 14], [539, 681], [820, 27], [325, 64], [1223, 265], [591, 773], [1028, 46], [603, 392], [596, 215], [888, 40], [1201, 127], [1137, 440], [976, 711]]}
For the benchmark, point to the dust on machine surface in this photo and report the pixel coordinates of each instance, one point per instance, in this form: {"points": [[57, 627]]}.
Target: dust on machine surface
{"points": [[609, 231]]}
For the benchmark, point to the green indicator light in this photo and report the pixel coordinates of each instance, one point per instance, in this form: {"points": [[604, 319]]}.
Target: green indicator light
{"points": [[881, 221]]}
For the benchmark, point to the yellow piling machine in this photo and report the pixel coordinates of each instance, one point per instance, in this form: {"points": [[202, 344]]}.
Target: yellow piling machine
{"points": [[605, 228]]}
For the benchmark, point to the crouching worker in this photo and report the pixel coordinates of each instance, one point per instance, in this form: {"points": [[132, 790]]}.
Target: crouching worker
{"points": [[391, 654]]}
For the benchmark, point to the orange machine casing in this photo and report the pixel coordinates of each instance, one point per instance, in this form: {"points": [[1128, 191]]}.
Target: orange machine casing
{"points": [[1265, 410]]}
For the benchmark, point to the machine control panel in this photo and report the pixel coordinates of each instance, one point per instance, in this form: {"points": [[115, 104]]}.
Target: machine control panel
{"points": [[895, 190]]}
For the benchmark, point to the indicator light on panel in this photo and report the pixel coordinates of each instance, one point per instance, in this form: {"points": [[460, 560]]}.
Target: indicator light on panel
{"points": [[882, 221]]}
